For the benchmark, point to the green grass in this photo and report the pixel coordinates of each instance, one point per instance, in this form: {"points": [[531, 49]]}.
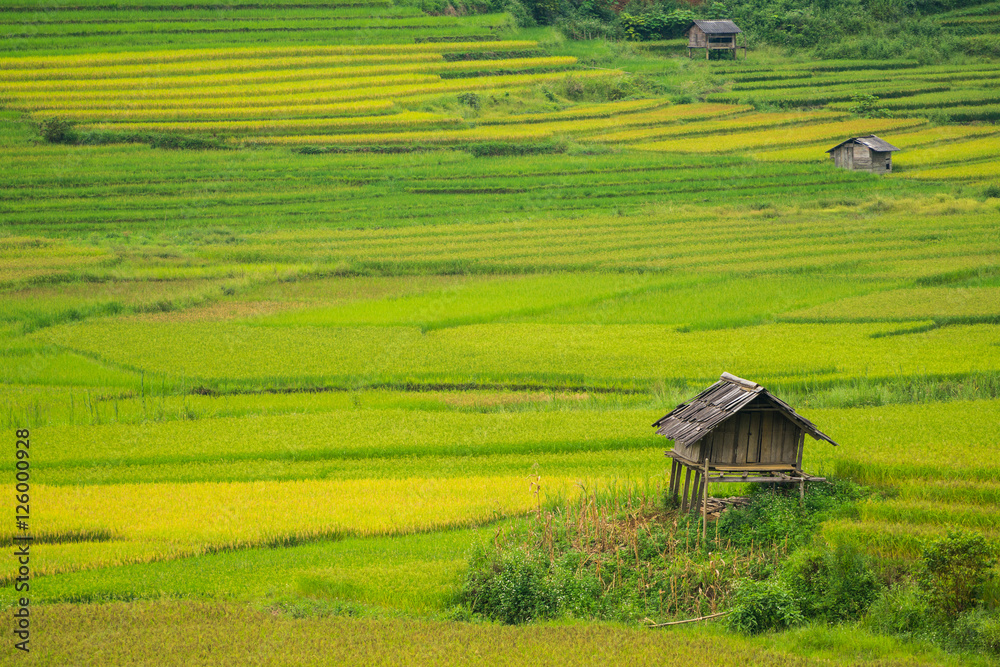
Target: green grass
{"points": [[224, 355], [183, 632], [476, 301], [414, 573], [347, 434], [941, 304]]}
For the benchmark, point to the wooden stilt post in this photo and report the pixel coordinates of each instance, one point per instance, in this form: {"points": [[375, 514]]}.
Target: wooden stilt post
{"points": [[799, 446], [677, 481], [687, 483], [704, 505], [802, 491], [674, 478], [699, 482]]}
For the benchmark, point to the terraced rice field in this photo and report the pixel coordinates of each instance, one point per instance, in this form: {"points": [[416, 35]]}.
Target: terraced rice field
{"points": [[425, 274], [957, 92]]}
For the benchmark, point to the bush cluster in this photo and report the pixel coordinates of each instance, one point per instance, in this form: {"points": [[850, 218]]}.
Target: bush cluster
{"points": [[943, 600], [61, 131], [764, 564], [947, 598], [57, 131], [611, 559], [656, 23], [760, 606]]}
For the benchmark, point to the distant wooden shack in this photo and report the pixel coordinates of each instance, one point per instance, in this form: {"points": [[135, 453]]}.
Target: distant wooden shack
{"points": [[864, 154], [713, 36], [734, 431]]}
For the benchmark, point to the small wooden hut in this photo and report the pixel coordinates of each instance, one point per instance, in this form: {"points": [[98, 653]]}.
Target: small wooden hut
{"points": [[734, 431], [864, 154], [713, 36]]}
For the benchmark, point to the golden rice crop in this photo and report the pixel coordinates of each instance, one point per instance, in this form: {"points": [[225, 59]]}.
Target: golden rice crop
{"points": [[207, 24], [942, 133], [181, 97], [500, 82], [809, 153], [750, 121], [800, 134], [817, 152], [175, 118], [487, 133], [214, 66], [182, 55], [490, 132], [171, 520], [407, 119], [975, 149], [306, 92], [989, 169], [653, 117], [352, 100], [189, 120], [575, 112], [272, 76]]}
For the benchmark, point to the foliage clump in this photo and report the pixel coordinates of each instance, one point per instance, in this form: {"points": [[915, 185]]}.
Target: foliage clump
{"points": [[946, 599], [656, 23], [832, 583], [954, 569], [621, 555], [867, 106], [511, 586], [761, 606], [57, 130]]}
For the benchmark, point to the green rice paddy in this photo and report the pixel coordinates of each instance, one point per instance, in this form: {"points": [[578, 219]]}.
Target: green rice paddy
{"points": [[421, 275]]}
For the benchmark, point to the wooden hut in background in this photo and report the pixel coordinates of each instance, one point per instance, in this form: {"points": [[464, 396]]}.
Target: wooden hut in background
{"points": [[713, 36], [734, 431], [864, 154]]}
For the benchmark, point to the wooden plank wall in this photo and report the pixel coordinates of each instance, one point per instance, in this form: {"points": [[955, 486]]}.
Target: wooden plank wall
{"points": [[862, 157], [749, 437], [696, 37]]}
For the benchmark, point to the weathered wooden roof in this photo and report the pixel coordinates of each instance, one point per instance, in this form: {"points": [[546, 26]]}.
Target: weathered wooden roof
{"points": [[690, 421], [715, 27], [871, 141]]}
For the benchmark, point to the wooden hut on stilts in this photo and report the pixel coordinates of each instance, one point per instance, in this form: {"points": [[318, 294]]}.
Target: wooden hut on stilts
{"points": [[734, 431]]}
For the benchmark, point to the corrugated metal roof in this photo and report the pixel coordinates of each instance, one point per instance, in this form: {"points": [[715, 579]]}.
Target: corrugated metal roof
{"points": [[871, 141], [716, 27], [690, 421]]}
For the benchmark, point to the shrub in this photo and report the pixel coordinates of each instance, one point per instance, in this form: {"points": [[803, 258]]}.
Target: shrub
{"points": [[851, 585], [57, 130], [589, 27], [836, 584], [655, 24], [510, 587], [803, 573], [867, 106], [953, 570], [978, 629], [761, 606], [471, 100], [902, 610], [773, 517]]}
